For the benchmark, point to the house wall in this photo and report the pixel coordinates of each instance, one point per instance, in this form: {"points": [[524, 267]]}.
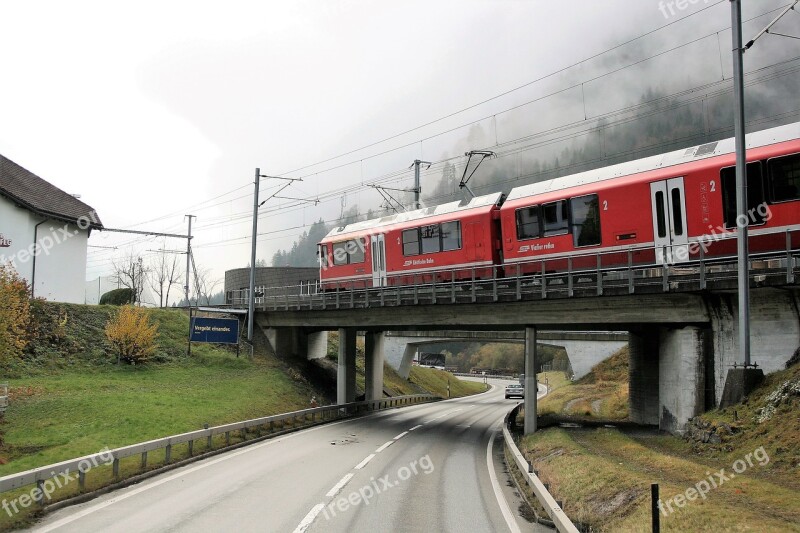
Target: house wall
{"points": [[61, 260]]}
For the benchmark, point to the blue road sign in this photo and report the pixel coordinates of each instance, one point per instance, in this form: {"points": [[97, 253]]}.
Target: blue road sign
{"points": [[216, 330]]}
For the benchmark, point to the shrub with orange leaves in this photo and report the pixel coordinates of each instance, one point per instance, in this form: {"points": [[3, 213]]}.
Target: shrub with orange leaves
{"points": [[132, 335], [14, 314]]}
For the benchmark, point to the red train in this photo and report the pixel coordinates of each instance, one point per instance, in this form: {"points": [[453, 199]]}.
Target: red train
{"points": [[670, 208]]}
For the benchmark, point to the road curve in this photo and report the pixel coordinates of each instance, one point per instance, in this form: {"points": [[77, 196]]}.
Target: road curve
{"points": [[433, 467]]}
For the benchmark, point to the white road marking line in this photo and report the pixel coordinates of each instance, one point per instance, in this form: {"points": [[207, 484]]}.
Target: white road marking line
{"points": [[450, 412], [416, 427], [339, 486], [379, 450], [310, 517], [134, 492], [363, 463], [501, 500], [401, 435]]}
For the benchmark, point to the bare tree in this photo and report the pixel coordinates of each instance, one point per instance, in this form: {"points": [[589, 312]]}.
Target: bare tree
{"points": [[130, 272], [165, 272], [205, 285]]}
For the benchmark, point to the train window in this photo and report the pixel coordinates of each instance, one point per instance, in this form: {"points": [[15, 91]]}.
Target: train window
{"points": [[677, 215], [411, 242], [528, 223], [430, 239], [451, 236], [323, 255], [784, 178], [556, 218], [340, 253], [755, 195], [355, 252], [660, 217], [585, 220]]}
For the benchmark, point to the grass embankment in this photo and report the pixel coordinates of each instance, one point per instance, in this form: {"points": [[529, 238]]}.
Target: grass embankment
{"points": [[436, 381], [603, 476], [601, 394]]}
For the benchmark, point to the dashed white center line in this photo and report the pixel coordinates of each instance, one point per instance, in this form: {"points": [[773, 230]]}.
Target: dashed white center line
{"points": [[363, 463], [416, 427], [309, 519], [336, 488], [379, 450], [401, 435]]}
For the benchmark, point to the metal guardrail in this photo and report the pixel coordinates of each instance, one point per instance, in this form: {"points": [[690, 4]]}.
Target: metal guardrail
{"points": [[41, 474], [554, 511], [538, 279]]}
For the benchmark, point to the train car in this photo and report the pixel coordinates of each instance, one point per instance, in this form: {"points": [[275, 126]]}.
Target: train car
{"points": [[667, 209], [454, 241]]}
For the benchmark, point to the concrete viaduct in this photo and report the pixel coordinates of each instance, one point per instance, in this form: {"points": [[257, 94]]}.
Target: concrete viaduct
{"points": [[682, 324], [681, 345]]}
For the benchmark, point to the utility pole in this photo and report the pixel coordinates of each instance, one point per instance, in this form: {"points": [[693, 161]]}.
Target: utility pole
{"points": [[417, 186], [251, 301], [188, 258], [188, 264], [741, 183]]}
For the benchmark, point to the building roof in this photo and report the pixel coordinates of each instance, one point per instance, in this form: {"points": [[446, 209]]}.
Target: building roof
{"points": [[28, 190]]}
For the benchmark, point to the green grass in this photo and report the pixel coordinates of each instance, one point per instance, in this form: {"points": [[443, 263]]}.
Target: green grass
{"points": [[69, 414], [601, 394], [436, 382], [603, 477]]}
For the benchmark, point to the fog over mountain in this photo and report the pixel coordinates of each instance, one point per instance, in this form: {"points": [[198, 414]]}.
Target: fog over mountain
{"points": [[669, 90]]}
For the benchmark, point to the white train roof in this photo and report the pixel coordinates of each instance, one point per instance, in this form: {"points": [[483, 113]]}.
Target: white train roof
{"points": [[696, 153], [487, 200]]}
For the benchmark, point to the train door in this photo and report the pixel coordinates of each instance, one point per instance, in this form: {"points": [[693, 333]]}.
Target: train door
{"points": [[668, 200], [475, 242], [378, 248]]}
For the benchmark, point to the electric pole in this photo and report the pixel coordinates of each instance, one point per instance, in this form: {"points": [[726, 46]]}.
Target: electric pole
{"points": [[741, 183], [251, 301], [417, 187], [188, 258]]}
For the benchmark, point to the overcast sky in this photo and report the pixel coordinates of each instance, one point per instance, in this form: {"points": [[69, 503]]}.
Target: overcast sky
{"points": [[149, 109]]}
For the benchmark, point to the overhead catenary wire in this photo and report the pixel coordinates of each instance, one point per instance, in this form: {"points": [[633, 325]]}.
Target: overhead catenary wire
{"points": [[227, 220]]}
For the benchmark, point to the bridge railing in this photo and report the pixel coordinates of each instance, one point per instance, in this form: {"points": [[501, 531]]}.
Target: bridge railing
{"points": [[257, 428], [586, 274]]}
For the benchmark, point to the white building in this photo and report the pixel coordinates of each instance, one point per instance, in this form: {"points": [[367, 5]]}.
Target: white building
{"points": [[44, 233]]}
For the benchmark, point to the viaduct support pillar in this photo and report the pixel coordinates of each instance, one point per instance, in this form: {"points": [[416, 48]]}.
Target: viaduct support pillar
{"points": [[643, 376], [531, 385], [682, 377], [346, 374], [374, 365]]}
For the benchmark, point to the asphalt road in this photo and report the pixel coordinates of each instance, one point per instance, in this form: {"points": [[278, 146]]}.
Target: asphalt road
{"points": [[433, 467]]}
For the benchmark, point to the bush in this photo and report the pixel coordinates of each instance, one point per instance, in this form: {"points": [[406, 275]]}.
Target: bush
{"points": [[132, 335], [14, 314], [117, 297]]}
